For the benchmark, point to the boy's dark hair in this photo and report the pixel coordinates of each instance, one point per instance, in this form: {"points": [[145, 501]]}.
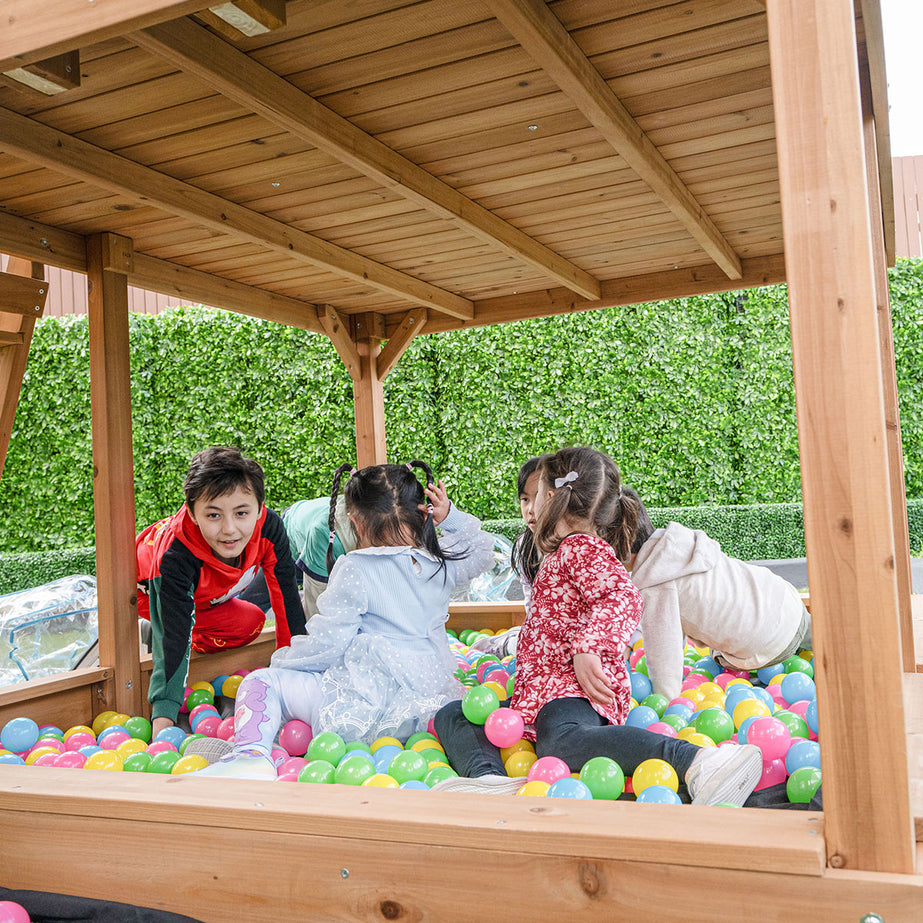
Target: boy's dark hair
{"points": [[524, 557], [387, 500], [595, 494], [219, 470]]}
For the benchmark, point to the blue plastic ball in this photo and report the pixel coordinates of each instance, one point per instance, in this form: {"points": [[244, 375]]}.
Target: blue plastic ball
{"points": [[362, 753], [381, 758], [570, 788], [762, 695], [90, 749], [765, 674], [172, 734], [641, 686], [658, 794], [709, 665], [798, 687], [802, 753], [744, 727], [415, 784], [810, 715], [19, 734], [736, 694], [11, 759], [111, 729], [641, 716], [682, 711]]}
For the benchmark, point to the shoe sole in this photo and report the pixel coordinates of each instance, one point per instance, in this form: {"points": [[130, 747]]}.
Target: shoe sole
{"points": [[483, 785], [211, 749], [736, 784]]}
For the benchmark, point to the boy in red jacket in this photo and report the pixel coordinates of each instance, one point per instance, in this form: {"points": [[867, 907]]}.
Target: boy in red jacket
{"points": [[194, 565]]}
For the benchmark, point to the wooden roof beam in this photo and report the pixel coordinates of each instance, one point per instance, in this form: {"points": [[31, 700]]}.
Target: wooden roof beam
{"points": [[412, 324], [550, 45], [29, 35], [41, 144], [337, 329], [237, 76]]}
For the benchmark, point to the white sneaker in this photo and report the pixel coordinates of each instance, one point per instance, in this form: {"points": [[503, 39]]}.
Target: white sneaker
{"points": [[242, 764], [724, 775], [481, 785], [210, 749]]}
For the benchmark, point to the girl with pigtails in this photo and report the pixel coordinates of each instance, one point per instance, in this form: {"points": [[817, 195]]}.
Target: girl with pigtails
{"points": [[377, 659]]}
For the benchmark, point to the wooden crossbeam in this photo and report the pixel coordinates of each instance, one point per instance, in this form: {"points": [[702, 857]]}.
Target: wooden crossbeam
{"points": [[412, 324], [243, 18], [50, 76], [246, 81], [338, 331], [550, 45], [56, 149]]}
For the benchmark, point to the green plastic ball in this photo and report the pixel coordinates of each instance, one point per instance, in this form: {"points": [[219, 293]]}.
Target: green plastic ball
{"points": [[656, 701], [163, 762], [478, 703], [408, 766], [714, 723], [416, 738], [358, 745], [317, 771], [795, 723], [431, 753], [199, 697], [139, 728], [603, 777], [798, 664], [189, 739], [326, 746], [802, 784], [138, 762], [641, 665], [353, 770], [439, 774], [677, 722]]}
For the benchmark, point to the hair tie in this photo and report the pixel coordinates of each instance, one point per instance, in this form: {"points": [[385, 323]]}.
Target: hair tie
{"points": [[332, 536], [409, 467], [565, 481], [353, 471]]}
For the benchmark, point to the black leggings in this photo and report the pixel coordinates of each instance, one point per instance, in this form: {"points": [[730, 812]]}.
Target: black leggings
{"points": [[567, 728]]}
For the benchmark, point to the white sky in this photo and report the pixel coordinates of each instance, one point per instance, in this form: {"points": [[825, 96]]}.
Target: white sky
{"points": [[903, 30]]}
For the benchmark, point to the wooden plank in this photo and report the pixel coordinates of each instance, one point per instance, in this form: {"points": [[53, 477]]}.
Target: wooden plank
{"points": [[64, 700], [76, 23], [901, 237], [849, 531], [109, 171], [338, 332], [113, 480], [414, 323], [257, 88], [369, 406]]}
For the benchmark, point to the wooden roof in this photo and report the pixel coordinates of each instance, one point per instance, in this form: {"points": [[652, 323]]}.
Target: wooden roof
{"points": [[487, 160]]}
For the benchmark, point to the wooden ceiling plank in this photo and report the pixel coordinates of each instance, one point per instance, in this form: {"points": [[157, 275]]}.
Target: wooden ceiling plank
{"points": [[257, 88], [27, 37], [551, 45], [100, 167]]}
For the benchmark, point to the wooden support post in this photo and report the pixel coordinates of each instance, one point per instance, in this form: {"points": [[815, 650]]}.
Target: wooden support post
{"points": [[18, 313], [108, 263], [369, 402], [889, 383], [849, 529]]}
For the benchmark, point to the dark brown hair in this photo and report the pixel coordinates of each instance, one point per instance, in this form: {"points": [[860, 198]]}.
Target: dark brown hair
{"points": [[220, 470]]}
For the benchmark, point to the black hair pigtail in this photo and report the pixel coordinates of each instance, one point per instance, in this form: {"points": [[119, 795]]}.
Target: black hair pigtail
{"points": [[331, 522]]}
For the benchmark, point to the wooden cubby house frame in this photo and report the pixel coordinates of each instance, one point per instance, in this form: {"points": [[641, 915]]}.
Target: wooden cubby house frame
{"points": [[378, 169]]}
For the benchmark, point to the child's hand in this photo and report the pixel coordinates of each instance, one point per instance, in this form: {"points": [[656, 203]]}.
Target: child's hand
{"points": [[592, 679], [437, 496]]}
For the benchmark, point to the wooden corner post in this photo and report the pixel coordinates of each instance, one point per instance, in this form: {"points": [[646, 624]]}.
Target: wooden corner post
{"points": [[849, 520], [109, 260]]}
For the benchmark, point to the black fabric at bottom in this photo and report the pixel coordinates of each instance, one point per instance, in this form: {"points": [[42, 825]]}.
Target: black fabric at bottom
{"points": [[45, 907]]}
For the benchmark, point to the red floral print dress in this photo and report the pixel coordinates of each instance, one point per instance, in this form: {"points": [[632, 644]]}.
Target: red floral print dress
{"points": [[583, 602]]}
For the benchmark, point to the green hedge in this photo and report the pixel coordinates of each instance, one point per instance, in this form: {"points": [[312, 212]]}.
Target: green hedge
{"points": [[693, 398]]}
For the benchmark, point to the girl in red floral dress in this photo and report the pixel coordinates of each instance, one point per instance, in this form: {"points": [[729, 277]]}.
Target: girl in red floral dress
{"points": [[572, 686]]}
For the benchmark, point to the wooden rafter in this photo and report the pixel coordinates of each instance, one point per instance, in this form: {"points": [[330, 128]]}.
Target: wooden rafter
{"points": [[412, 324], [338, 331], [550, 45], [237, 76], [50, 147]]}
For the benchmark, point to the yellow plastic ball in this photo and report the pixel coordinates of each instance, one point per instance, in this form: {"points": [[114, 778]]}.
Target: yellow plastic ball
{"points": [[537, 788], [422, 745], [202, 684], [777, 679], [105, 759], [521, 745], [702, 649], [231, 685], [37, 752], [637, 644], [711, 701], [487, 631], [696, 695], [749, 708], [806, 655], [500, 690], [518, 764], [710, 689], [700, 739], [117, 718], [99, 722], [381, 780], [737, 681], [654, 772], [684, 732], [79, 729], [384, 741], [191, 763], [632, 703], [434, 763], [128, 747]]}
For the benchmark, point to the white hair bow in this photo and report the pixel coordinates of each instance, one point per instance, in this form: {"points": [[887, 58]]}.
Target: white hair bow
{"points": [[565, 481]]}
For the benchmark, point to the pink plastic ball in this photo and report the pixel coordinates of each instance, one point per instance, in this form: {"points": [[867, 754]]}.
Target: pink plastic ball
{"points": [[47, 759], [289, 768], [548, 769], [199, 709], [504, 727], [683, 700], [160, 746], [636, 656], [182, 709], [208, 726], [78, 740], [49, 742], [693, 680], [70, 759], [226, 728], [771, 736], [686, 670], [242, 672], [773, 771], [113, 740], [497, 676], [11, 912], [800, 709], [431, 726], [658, 727], [295, 737]]}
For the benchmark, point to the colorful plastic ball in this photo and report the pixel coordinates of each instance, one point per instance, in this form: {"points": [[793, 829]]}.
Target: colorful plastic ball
{"points": [[47, 731], [90, 749], [749, 708], [660, 727], [127, 747], [773, 773], [385, 742], [520, 745], [217, 684], [230, 686], [803, 784], [518, 763], [745, 727], [570, 788], [798, 687], [498, 688], [353, 770], [380, 780], [439, 774], [290, 768], [191, 763], [654, 772], [810, 716], [208, 725], [798, 664], [100, 721], [536, 788], [715, 723], [172, 734], [548, 769], [381, 758], [19, 734], [765, 674], [137, 762], [139, 727], [802, 753], [641, 716], [199, 697], [70, 759], [772, 737], [678, 710], [164, 762], [295, 737], [202, 711], [204, 684], [415, 784], [78, 729], [318, 771], [477, 704], [641, 686], [656, 701], [225, 729], [504, 727], [603, 777], [51, 743], [737, 694], [160, 746], [408, 765], [497, 675], [11, 759], [420, 735], [104, 759], [114, 740], [658, 794], [37, 753], [11, 912]]}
